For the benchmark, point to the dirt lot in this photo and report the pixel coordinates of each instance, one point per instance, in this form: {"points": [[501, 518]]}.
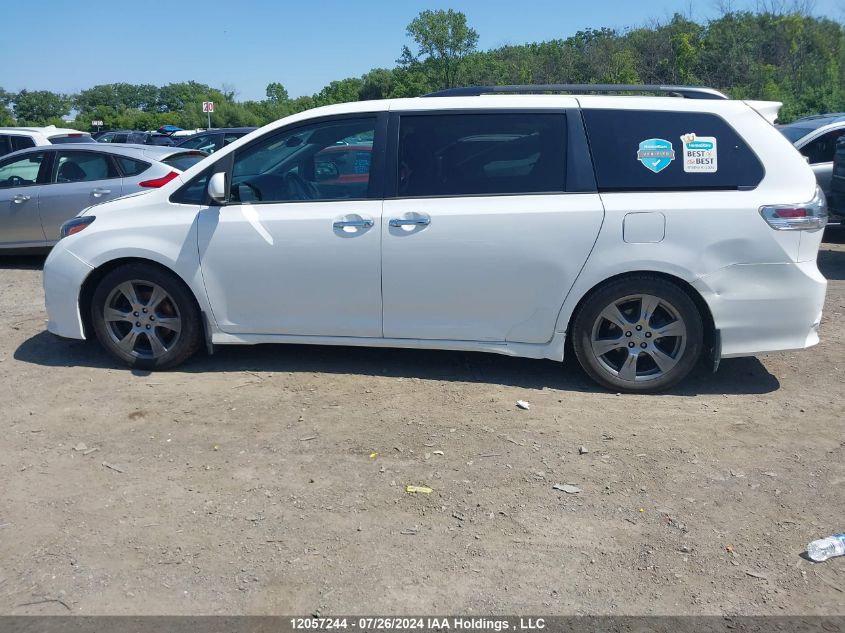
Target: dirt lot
{"points": [[270, 480]]}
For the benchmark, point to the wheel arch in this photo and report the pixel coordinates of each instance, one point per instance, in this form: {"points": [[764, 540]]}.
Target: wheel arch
{"points": [[711, 342], [89, 286]]}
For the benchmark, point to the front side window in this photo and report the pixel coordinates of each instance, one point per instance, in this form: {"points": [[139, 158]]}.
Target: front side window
{"points": [[293, 165], [821, 150], [481, 154], [5, 145], [20, 172], [647, 150], [82, 167]]}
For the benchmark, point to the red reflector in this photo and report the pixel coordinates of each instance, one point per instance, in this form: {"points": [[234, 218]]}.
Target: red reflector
{"points": [[76, 229], [791, 213], [158, 182]]}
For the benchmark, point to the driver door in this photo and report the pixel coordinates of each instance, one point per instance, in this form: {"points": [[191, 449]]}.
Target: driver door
{"points": [[294, 252], [20, 186]]}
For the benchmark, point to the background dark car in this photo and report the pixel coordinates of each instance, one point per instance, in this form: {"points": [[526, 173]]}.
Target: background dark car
{"points": [[212, 140]]}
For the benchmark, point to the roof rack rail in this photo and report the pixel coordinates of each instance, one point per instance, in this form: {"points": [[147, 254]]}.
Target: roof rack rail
{"points": [[688, 92]]}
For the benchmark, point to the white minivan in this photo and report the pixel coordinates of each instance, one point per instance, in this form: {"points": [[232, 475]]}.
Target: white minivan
{"points": [[648, 231]]}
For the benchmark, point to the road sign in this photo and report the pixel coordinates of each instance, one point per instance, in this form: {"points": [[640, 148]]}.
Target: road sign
{"points": [[208, 106], [96, 122]]}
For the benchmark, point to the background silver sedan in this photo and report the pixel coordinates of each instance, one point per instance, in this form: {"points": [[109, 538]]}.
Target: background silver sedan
{"points": [[42, 187]]}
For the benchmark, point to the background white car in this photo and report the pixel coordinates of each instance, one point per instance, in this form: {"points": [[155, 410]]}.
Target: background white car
{"points": [[13, 139]]}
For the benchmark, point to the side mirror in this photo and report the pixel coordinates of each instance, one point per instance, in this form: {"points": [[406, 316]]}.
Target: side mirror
{"points": [[217, 188]]}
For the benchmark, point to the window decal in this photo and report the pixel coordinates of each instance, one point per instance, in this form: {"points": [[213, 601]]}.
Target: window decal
{"points": [[699, 154], [656, 154]]}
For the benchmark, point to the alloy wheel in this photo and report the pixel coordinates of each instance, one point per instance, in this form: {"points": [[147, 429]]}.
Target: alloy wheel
{"points": [[638, 338], [142, 319]]}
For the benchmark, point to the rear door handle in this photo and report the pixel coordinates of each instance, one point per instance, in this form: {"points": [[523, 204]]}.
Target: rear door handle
{"points": [[409, 222], [99, 191], [20, 198], [363, 223]]}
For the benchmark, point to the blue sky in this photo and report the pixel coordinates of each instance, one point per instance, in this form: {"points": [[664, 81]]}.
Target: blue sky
{"points": [[304, 44]]}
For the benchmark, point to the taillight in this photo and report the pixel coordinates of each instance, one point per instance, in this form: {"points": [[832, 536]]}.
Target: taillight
{"points": [[75, 225], [809, 216], [159, 182]]}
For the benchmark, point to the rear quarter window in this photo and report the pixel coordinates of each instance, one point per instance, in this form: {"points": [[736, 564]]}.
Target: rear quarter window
{"points": [[130, 166], [640, 150]]}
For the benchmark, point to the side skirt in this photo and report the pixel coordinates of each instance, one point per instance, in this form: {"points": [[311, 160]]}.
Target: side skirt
{"points": [[552, 350]]}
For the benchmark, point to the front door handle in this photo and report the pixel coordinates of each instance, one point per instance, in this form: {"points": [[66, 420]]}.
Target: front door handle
{"points": [[409, 222], [363, 223], [20, 198], [99, 191]]}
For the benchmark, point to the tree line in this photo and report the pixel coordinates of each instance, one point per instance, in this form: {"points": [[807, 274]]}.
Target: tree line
{"points": [[791, 57]]}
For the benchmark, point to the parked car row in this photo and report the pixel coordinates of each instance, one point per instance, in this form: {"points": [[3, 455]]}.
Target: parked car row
{"points": [[208, 141], [135, 137]]}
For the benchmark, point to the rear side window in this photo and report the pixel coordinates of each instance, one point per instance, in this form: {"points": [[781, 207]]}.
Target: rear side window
{"points": [[82, 167], [130, 166], [640, 150], [21, 142], [5, 145], [183, 161], [481, 154]]}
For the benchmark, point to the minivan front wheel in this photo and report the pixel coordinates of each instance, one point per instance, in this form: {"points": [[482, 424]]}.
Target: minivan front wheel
{"points": [[638, 334], [146, 317]]}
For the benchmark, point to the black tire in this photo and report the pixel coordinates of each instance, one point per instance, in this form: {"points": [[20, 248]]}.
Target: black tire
{"points": [[672, 324], [173, 323]]}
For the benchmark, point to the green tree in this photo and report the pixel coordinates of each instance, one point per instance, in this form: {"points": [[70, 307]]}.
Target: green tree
{"points": [[179, 97], [443, 39], [277, 93], [38, 107], [6, 117]]}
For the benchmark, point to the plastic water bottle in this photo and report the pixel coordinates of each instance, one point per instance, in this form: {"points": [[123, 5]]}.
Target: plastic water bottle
{"points": [[825, 548]]}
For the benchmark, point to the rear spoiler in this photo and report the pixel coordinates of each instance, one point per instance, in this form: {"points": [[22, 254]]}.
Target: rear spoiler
{"points": [[766, 109]]}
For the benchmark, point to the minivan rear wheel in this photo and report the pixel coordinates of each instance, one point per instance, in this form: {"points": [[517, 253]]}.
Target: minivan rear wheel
{"points": [[146, 317], [638, 334]]}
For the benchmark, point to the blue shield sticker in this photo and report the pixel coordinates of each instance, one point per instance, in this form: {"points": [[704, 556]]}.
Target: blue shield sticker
{"points": [[656, 154]]}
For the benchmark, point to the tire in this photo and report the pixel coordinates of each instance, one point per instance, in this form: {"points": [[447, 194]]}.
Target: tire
{"points": [[638, 334], [146, 317]]}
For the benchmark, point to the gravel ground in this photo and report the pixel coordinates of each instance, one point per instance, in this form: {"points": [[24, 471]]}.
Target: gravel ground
{"points": [[271, 480]]}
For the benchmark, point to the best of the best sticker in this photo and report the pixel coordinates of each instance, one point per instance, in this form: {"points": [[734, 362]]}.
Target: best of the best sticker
{"points": [[699, 154]]}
